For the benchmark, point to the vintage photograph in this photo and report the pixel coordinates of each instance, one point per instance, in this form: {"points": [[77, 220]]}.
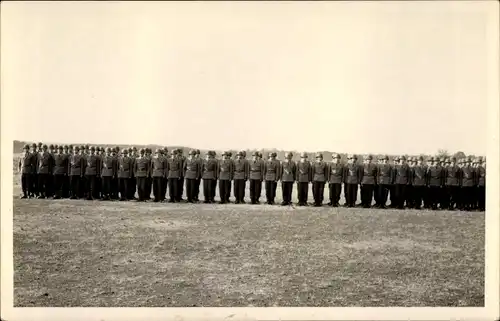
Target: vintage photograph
{"points": [[237, 154]]}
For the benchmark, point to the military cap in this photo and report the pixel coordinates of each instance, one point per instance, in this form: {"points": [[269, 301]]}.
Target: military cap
{"points": [[129, 149], [26, 146], [134, 149], [60, 147], [240, 153], [224, 154], [175, 152], [165, 149], [336, 156], [420, 158], [198, 152], [402, 158], [447, 160], [82, 147], [92, 148], [369, 157], [44, 146], [56, 146], [480, 159], [65, 147], [453, 160], [274, 154], [51, 146], [192, 152], [71, 146], [350, 156], [303, 155], [430, 159], [255, 154], [108, 149], [76, 148], [33, 145], [142, 150], [40, 144], [319, 155]]}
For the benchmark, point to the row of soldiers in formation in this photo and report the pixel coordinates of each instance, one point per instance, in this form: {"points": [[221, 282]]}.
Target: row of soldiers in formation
{"points": [[94, 172]]}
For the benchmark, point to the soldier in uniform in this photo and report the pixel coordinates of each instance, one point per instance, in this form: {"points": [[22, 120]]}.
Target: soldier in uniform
{"points": [[336, 172], [192, 171], [34, 166], [158, 174], [61, 168], [304, 177], [368, 181], [384, 181], [452, 183], [401, 180], [409, 187], [209, 175], [109, 171], [419, 181], [180, 188], [174, 168], [481, 184], [65, 185], [82, 184], [271, 176], [352, 178], [92, 170], [166, 157], [475, 195], [26, 169], [288, 173], [468, 184], [141, 173], [240, 178], [44, 170], [257, 172], [226, 175], [114, 190], [132, 187], [198, 182], [319, 176], [435, 180], [125, 169], [50, 178], [76, 171]]}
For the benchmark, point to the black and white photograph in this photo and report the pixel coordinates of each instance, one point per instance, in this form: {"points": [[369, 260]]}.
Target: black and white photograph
{"points": [[246, 155]]}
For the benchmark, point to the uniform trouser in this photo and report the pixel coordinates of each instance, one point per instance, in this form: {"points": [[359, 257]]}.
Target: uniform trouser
{"points": [[239, 190], [164, 188], [444, 200], [452, 196], [132, 188], [335, 190], [123, 187], [224, 190], [214, 186], [475, 198], [400, 194], [141, 187], [26, 184], [418, 196], [271, 191], [58, 185], [434, 195], [49, 189], [158, 188], [426, 194], [382, 193], [409, 196], [74, 181], [286, 190], [351, 194], [173, 185], [149, 186], [114, 188], [65, 187], [34, 184], [106, 187], [180, 188], [302, 192], [190, 189], [208, 186], [392, 196], [481, 197], [82, 188], [42, 184], [197, 190], [367, 194], [467, 197], [90, 185], [255, 189], [318, 189]]}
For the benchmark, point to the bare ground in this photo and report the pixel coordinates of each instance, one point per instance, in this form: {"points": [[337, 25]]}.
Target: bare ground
{"points": [[115, 254]]}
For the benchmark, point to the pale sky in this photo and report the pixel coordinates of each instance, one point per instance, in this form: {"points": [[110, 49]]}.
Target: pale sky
{"points": [[366, 77]]}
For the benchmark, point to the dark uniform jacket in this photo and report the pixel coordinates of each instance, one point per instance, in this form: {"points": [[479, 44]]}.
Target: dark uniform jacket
{"points": [[241, 170], [210, 169], [257, 169], [272, 170], [125, 167], [352, 173], [226, 169], [142, 166], [61, 164], [385, 174], [288, 171], [468, 176], [45, 163], [109, 166], [435, 176], [369, 174], [192, 169], [158, 166], [174, 168], [26, 163], [453, 174], [319, 171], [76, 165], [336, 173], [481, 176], [419, 175], [93, 165], [402, 174]]}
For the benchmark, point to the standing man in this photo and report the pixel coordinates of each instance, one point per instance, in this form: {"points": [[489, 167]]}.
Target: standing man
{"points": [[34, 167], [385, 179], [192, 172], [174, 167], [61, 168], [368, 180], [149, 179], [180, 182], [336, 172], [468, 184], [91, 172], [257, 172], [288, 173], [114, 180], [393, 193], [319, 177], [50, 177], [125, 169], [352, 178], [418, 181], [409, 187], [435, 177], [226, 175], [304, 177], [141, 173], [109, 171], [481, 184], [76, 171], [240, 178], [166, 157], [271, 175], [402, 179], [452, 183], [45, 166], [209, 175], [65, 185], [158, 169], [26, 169], [198, 182]]}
